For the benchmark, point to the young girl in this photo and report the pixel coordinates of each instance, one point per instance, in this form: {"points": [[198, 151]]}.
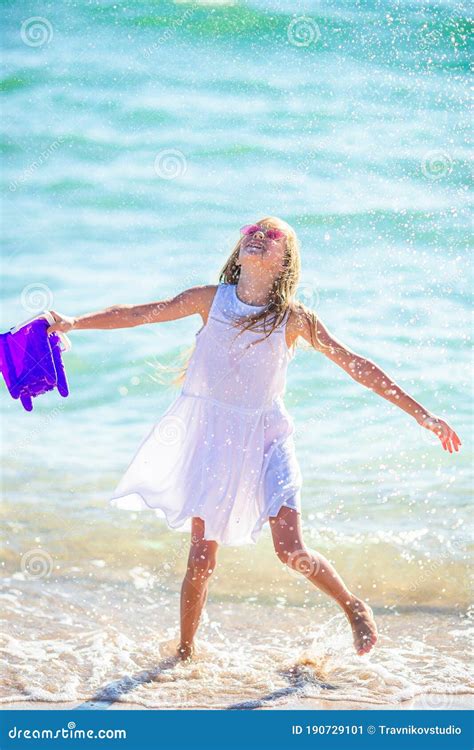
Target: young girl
{"points": [[222, 459]]}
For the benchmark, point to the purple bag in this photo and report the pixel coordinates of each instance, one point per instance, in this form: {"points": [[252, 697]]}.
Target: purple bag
{"points": [[30, 360]]}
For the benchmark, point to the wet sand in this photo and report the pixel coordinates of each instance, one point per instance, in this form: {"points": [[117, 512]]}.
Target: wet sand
{"points": [[421, 702], [74, 653]]}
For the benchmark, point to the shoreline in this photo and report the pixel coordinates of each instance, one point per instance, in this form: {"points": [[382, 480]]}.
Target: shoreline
{"points": [[304, 661], [422, 702]]}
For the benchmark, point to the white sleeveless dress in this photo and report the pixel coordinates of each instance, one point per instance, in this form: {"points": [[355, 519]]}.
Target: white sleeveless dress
{"points": [[223, 450]]}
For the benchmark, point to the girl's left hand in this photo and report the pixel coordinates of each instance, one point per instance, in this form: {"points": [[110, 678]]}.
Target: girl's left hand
{"points": [[447, 436]]}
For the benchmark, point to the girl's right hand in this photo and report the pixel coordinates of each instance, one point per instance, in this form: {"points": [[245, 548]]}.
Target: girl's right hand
{"points": [[443, 431], [62, 323]]}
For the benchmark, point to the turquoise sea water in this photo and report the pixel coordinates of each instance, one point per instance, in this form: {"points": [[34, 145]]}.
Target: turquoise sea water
{"points": [[138, 138]]}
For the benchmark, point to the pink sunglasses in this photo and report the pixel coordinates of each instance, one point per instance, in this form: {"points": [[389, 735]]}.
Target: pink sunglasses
{"points": [[271, 234]]}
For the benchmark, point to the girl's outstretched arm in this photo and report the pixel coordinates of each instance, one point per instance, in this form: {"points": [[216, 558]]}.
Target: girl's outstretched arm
{"points": [[196, 300], [367, 373]]}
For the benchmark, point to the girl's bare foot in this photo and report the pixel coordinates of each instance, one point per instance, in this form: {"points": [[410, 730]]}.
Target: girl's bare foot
{"points": [[363, 625], [185, 651]]}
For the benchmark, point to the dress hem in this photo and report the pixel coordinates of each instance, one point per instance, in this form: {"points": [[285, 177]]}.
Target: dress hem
{"points": [[120, 503]]}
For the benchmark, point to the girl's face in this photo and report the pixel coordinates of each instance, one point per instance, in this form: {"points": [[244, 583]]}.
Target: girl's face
{"points": [[263, 251]]}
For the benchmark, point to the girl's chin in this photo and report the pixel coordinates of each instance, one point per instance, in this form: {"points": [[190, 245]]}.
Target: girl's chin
{"points": [[253, 254], [252, 263]]}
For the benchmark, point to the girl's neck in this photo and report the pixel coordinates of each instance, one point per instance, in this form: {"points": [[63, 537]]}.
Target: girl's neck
{"points": [[254, 291]]}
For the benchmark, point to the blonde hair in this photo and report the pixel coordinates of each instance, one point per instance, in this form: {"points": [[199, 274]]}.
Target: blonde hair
{"points": [[282, 296]]}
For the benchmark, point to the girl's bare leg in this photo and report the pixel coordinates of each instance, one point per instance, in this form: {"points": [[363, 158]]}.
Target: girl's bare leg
{"points": [[194, 591], [290, 548]]}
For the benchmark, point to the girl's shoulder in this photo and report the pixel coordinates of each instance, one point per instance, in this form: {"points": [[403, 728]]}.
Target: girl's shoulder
{"points": [[209, 294], [200, 299], [297, 321], [297, 314]]}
